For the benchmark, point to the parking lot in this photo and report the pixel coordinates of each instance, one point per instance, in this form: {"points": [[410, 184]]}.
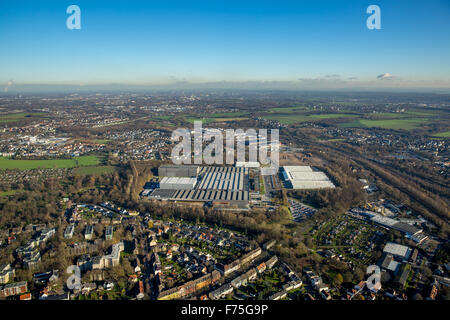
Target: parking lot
{"points": [[300, 211]]}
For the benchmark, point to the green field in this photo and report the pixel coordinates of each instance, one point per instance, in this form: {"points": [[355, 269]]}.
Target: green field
{"points": [[229, 119], [203, 120], [398, 115], [101, 141], [288, 109], [97, 170], [218, 117], [160, 118], [294, 118], [445, 134], [19, 116], [9, 193], [228, 114], [397, 124], [83, 161]]}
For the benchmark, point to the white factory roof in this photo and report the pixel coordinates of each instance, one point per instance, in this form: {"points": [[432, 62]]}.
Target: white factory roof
{"points": [[397, 250], [315, 176], [178, 180], [304, 177], [378, 218], [297, 168], [308, 184]]}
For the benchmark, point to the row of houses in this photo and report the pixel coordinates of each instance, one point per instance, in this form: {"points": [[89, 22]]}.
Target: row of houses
{"points": [[190, 287], [243, 279], [13, 289], [227, 269], [80, 248], [291, 285]]}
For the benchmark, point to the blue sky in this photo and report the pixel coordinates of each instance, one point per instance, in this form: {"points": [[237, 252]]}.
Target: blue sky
{"points": [[323, 43]]}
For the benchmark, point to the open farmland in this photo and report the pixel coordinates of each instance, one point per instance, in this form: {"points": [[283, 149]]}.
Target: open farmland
{"points": [[96, 170], [445, 134], [397, 124], [6, 163], [13, 117], [219, 117], [294, 118]]}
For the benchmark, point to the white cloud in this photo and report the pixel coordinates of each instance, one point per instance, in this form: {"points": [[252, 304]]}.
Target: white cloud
{"points": [[385, 76]]}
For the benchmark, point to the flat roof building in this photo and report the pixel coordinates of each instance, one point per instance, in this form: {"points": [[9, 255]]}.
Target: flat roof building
{"points": [[223, 178], [304, 177], [68, 233], [178, 170], [88, 233], [176, 183], [219, 185], [397, 250]]}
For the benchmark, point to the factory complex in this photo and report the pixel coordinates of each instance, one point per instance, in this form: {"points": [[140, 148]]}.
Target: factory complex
{"points": [[226, 186]]}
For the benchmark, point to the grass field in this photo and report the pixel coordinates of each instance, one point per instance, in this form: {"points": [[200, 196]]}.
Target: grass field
{"points": [[294, 118], [397, 124], [94, 170], [83, 161], [335, 140], [101, 141], [445, 134], [218, 117], [229, 119], [228, 114], [18, 116], [9, 193], [160, 118], [288, 109], [398, 115], [203, 120]]}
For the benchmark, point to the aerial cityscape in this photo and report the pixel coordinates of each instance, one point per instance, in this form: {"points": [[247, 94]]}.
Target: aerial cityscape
{"points": [[100, 200]]}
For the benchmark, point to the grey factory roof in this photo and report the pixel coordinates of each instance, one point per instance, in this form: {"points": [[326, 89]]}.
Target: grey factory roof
{"points": [[162, 194], [406, 228], [223, 178], [397, 250], [222, 184]]}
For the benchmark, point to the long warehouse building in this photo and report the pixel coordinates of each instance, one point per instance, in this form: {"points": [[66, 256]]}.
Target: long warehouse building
{"points": [[214, 184], [178, 170], [223, 178], [175, 183], [304, 177]]}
